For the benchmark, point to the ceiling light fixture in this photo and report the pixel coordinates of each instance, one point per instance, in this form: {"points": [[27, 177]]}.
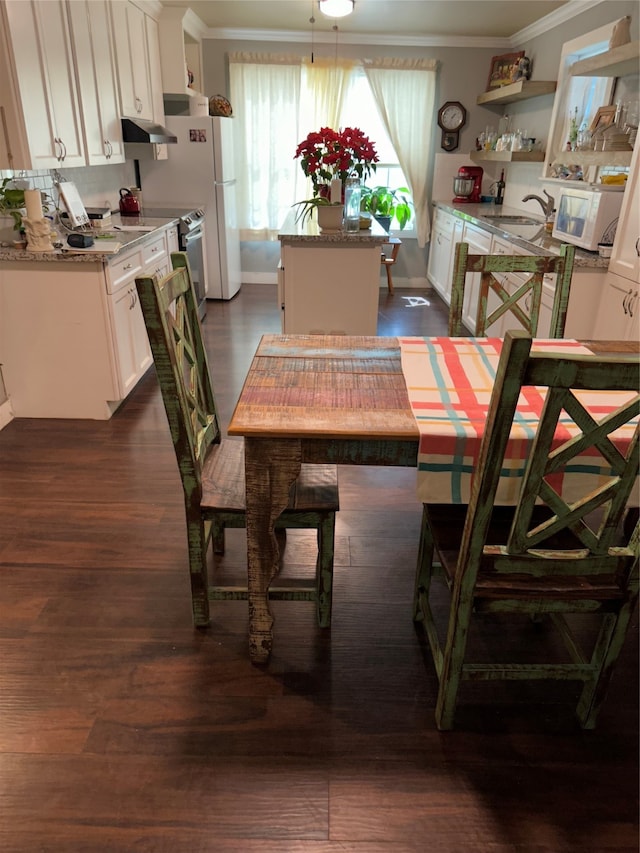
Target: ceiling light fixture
{"points": [[336, 8]]}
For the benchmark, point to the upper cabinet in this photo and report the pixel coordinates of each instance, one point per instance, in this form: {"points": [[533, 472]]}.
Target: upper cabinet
{"points": [[132, 58], [97, 81], [40, 121], [59, 101], [180, 37]]}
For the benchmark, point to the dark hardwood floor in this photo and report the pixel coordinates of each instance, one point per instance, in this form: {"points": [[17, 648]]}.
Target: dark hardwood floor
{"points": [[123, 729]]}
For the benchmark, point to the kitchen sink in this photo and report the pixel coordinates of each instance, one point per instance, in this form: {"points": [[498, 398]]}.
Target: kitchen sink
{"points": [[513, 220]]}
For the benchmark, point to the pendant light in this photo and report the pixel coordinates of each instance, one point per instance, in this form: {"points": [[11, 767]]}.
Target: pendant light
{"points": [[336, 8]]}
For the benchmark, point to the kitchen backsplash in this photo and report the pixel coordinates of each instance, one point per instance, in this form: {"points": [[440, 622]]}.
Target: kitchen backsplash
{"points": [[97, 185]]}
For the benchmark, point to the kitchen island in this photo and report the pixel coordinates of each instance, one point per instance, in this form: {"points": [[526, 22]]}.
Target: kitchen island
{"points": [[87, 345], [329, 283]]}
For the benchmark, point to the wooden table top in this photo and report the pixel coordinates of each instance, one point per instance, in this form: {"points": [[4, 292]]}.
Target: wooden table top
{"points": [[325, 386], [335, 386]]}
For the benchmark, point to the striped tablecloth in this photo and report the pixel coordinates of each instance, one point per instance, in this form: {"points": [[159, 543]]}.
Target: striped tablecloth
{"points": [[449, 382]]}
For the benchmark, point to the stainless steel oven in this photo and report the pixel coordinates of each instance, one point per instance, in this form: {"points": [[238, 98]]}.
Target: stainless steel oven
{"points": [[191, 241]]}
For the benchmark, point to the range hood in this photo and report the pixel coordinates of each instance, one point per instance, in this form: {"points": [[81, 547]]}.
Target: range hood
{"points": [[141, 130]]}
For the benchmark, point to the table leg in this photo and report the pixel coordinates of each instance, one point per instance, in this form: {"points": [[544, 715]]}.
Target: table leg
{"points": [[271, 466]]}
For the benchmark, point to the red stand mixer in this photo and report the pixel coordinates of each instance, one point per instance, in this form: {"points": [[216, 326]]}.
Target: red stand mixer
{"points": [[467, 185]]}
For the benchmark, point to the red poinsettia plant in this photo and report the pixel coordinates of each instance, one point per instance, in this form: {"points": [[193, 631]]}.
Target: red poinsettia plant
{"points": [[328, 154]]}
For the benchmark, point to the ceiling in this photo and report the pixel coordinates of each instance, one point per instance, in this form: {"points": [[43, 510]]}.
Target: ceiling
{"points": [[380, 20]]}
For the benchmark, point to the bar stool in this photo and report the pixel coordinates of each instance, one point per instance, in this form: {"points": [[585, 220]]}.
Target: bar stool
{"points": [[388, 260]]}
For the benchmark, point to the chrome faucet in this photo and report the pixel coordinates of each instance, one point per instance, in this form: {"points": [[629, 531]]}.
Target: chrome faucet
{"points": [[547, 206]]}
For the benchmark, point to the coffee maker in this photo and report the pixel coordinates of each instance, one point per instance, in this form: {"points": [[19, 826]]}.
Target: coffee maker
{"points": [[467, 185]]}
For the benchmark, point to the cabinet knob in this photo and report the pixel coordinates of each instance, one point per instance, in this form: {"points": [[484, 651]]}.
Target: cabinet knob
{"points": [[638, 247]]}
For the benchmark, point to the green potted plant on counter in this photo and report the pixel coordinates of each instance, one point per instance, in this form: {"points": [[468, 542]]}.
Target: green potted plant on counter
{"points": [[11, 209], [384, 203]]}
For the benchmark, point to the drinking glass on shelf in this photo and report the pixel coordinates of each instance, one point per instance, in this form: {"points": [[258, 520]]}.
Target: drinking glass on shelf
{"points": [[490, 137]]}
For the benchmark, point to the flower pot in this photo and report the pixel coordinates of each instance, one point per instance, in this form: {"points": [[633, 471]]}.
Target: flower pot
{"points": [[330, 217], [8, 233]]}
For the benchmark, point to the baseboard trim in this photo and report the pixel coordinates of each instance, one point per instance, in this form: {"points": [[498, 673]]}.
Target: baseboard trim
{"points": [[415, 283], [259, 278], [6, 413]]}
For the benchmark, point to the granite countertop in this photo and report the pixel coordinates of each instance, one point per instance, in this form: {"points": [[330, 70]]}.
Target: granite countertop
{"points": [[127, 231], [532, 237], [296, 233]]}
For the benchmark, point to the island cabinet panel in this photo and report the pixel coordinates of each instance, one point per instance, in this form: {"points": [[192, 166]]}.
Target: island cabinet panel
{"points": [[329, 284]]}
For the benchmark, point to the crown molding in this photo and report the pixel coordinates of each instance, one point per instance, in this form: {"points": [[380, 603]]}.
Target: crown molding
{"points": [[296, 36], [553, 19]]}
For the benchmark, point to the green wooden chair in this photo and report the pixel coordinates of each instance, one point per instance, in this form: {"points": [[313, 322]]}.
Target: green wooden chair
{"points": [[212, 468], [546, 560], [524, 302]]}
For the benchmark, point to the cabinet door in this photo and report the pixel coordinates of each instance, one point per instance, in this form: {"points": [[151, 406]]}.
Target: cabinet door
{"points": [[625, 257], [446, 233], [155, 81], [45, 78], [479, 244], [618, 318], [97, 79], [132, 59]]}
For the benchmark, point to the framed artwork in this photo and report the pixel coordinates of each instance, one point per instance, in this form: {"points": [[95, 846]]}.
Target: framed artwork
{"points": [[603, 118], [501, 69]]}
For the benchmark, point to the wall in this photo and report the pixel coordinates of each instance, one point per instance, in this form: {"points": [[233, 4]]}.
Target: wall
{"points": [[462, 76]]}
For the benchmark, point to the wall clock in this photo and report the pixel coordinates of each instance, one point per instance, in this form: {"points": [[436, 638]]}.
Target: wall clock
{"points": [[451, 117]]}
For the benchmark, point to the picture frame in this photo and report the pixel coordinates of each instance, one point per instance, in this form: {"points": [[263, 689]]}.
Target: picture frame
{"points": [[603, 118], [501, 69]]}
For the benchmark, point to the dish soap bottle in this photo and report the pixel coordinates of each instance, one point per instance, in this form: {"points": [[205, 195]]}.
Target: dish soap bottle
{"points": [[500, 189]]}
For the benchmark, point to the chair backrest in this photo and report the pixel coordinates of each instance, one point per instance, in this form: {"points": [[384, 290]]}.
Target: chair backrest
{"points": [[493, 269], [170, 313], [574, 389]]}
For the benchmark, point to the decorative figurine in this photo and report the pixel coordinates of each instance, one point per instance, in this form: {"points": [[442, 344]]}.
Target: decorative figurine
{"points": [[521, 70]]}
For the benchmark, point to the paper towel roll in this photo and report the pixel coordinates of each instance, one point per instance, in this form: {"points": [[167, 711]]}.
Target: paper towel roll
{"points": [[33, 203]]}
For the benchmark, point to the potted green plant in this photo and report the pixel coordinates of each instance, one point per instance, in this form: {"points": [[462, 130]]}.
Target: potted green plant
{"points": [[11, 207], [383, 203]]}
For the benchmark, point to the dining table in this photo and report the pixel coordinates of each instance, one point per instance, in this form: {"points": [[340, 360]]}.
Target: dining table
{"points": [[351, 400]]}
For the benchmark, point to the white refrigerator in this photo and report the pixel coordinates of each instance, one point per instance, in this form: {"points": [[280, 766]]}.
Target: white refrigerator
{"points": [[200, 173]]}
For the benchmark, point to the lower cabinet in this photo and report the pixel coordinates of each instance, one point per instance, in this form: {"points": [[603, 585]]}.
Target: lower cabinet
{"points": [[479, 242], [619, 314], [445, 233], [87, 345], [585, 314]]}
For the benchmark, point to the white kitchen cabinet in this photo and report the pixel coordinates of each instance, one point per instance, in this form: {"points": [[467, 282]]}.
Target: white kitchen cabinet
{"points": [[445, 233], [479, 242], [619, 314], [132, 58], [39, 102], [625, 256], [139, 71], [97, 81], [87, 345]]}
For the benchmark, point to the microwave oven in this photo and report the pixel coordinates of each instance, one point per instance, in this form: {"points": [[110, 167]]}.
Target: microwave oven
{"points": [[586, 217]]}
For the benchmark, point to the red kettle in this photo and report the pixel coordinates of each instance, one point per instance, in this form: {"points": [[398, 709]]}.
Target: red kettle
{"points": [[129, 204]]}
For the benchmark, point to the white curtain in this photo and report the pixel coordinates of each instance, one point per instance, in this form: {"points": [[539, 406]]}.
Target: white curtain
{"points": [[404, 91], [325, 84], [265, 95]]}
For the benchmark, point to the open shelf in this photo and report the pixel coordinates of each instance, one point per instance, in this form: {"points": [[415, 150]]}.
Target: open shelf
{"points": [[518, 91], [507, 156], [617, 62]]}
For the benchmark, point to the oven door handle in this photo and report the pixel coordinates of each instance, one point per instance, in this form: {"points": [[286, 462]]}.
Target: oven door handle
{"points": [[192, 236]]}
